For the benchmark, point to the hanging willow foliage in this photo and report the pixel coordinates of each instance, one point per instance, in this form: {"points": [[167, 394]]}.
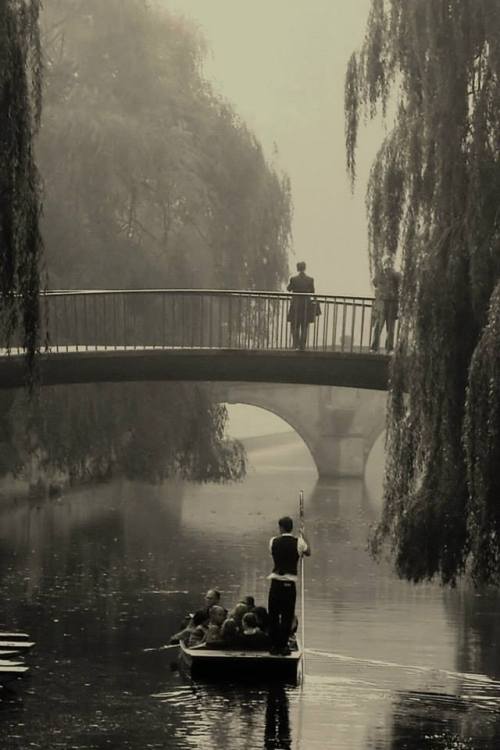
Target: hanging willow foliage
{"points": [[433, 206], [20, 241]]}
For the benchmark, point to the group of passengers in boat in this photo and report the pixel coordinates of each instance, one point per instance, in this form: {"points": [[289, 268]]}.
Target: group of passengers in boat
{"points": [[245, 626], [251, 627]]}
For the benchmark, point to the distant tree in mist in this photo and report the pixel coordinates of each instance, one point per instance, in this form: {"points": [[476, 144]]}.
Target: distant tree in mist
{"points": [[433, 204], [20, 241], [151, 180]]}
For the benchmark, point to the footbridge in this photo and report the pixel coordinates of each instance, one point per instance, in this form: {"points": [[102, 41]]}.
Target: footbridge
{"points": [[338, 425], [202, 335]]}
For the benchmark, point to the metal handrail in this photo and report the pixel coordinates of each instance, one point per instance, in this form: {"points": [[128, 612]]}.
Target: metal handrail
{"points": [[197, 291], [124, 319]]}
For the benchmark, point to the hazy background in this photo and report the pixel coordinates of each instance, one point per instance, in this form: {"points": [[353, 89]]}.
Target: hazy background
{"points": [[281, 63]]}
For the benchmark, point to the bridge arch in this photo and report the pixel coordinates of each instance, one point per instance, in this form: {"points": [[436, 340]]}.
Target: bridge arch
{"points": [[338, 425], [290, 420]]}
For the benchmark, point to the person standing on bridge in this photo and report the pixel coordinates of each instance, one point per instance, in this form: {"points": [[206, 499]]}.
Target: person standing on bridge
{"points": [[385, 308], [286, 550], [302, 309]]}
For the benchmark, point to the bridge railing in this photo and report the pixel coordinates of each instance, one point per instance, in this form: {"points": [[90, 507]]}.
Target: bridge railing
{"points": [[196, 318]]}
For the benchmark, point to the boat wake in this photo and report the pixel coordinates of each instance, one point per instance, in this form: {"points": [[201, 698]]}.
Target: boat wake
{"points": [[469, 677]]}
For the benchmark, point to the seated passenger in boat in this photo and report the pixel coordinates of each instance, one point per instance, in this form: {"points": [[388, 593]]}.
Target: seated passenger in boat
{"points": [[249, 602], [229, 633], [216, 618], [195, 632], [253, 638], [212, 598], [237, 615]]}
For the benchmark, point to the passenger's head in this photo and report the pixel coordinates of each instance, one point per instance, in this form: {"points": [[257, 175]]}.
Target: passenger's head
{"points": [[262, 617], [217, 615], [249, 621], [249, 601], [301, 266], [212, 597], [199, 617], [238, 612], [285, 524], [229, 628]]}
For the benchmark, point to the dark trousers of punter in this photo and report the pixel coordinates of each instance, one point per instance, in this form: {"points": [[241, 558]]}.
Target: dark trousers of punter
{"points": [[281, 608]]}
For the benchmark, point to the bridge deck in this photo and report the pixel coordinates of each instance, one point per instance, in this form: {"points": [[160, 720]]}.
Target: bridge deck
{"points": [[73, 364]]}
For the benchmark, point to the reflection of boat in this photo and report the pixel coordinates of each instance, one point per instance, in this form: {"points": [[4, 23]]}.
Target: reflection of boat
{"points": [[222, 663]]}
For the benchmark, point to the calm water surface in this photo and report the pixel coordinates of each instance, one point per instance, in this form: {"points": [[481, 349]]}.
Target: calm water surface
{"points": [[102, 576]]}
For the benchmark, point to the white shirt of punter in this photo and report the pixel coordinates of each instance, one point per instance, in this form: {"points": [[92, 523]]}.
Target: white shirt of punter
{"points": [[301, 548]]}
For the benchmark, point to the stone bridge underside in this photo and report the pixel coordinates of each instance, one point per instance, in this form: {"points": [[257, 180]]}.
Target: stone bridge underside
{"points": [[338, 425]]}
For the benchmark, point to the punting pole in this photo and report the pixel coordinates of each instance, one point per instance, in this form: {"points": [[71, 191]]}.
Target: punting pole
{"points": [[302, 588]]}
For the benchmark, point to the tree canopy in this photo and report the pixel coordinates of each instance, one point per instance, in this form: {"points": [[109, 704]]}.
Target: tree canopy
{"points": [[433, 207], [20, 107], [150, 180]]}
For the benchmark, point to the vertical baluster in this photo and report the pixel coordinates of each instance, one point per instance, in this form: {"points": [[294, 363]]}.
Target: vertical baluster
{"points": [[210, 319], [239, 321], [334, 324], [248, 322], [56, 320], [85, 322], [66, 320], [103, 323], [362, 325], [113, 298], [315, 329], [353, 323], [342, 343], [326, 318], [124, 311], [183, 320], [75, 318], [174, 319], [267, 303], [163, 314]]}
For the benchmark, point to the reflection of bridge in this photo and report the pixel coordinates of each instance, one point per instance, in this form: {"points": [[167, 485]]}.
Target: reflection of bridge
{"points": [[338, 425], [113, 335]]}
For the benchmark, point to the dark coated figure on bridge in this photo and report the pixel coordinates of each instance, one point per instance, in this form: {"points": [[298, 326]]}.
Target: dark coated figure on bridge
{"points": [[302, 310], [385, 308], [286, 550]]}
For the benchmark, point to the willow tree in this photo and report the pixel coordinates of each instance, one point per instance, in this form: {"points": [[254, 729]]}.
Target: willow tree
{"points": [[20, 242], [433, 207]]}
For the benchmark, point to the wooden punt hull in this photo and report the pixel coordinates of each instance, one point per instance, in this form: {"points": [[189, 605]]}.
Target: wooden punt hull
{"points": [[219, 664]]}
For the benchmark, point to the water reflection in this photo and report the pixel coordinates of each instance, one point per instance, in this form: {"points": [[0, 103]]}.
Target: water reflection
{"points": [[277, 733], [106, 572]]}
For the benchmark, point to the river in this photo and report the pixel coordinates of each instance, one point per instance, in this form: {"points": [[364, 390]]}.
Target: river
{"points": [[101, 576]]}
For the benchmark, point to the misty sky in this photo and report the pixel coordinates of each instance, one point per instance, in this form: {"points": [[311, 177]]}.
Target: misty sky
{"points": [[281, 63]]}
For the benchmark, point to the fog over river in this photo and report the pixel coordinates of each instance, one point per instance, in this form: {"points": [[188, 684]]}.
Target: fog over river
{"points": [[104, 573]]}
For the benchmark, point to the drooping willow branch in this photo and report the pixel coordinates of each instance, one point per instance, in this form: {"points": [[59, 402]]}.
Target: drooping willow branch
{"points": [[20, 240], [433, 208]]}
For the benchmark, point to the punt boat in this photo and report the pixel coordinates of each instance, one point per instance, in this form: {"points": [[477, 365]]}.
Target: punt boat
{"points": [[221, 664]]}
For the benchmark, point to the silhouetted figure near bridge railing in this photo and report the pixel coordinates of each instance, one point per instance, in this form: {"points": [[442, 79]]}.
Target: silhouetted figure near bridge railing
{"points": [[385, 306], [302, 310]]}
